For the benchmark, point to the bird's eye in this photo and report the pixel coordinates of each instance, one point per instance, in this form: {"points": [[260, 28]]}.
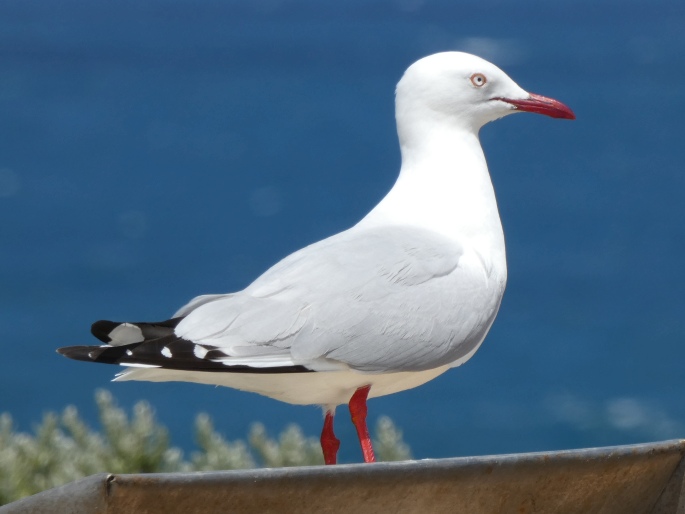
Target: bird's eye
{"points": [[478, 79]]}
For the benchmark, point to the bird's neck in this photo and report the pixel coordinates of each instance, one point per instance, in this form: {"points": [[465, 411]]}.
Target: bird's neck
{"points": [[444, 185]]}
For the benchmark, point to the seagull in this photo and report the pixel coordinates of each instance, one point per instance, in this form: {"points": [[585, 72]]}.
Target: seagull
{"points": [[394, 301]]}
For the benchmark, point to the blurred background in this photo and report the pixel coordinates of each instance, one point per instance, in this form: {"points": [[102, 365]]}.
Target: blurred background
{"points": [[152, 151]]}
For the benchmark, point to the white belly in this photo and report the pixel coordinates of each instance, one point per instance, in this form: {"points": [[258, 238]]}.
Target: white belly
{"points": [[327, 388]]}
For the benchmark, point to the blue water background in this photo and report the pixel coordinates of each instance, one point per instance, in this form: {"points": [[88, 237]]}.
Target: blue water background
{"points": [[152, 151]]}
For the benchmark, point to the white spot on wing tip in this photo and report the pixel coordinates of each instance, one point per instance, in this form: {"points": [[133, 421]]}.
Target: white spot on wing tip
{"points": [[129, 352], [200, 351], [126, 333], [166, 352]]}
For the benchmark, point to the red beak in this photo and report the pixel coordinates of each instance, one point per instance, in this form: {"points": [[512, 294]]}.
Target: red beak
{"points": [[541, 105]]}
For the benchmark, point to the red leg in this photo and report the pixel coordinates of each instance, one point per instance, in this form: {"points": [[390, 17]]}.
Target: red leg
{"points": [[358, 411], [329, 443]]}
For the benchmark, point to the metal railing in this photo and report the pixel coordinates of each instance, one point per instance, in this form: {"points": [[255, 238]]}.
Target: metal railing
{"points": [[637, 479]]}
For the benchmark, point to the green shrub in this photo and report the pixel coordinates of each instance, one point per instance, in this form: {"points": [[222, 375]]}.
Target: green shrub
{"points": [[63, 448]]}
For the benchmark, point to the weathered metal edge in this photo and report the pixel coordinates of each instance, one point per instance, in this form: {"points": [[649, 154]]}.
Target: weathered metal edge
{"points": [[672, 498], [92, 494], [669, 446], [86, 495]]}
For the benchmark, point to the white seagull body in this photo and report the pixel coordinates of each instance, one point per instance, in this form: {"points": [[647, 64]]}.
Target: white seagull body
{"points": [[404, 295]]}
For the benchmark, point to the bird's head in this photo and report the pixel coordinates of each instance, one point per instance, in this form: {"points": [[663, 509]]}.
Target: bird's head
{"points": [[460, 88]]}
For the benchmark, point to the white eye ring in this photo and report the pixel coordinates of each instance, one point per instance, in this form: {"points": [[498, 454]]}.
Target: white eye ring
{"points": [[478, 79]]}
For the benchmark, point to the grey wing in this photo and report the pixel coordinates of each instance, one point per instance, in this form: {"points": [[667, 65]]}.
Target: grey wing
{"points": [[376, 300]]}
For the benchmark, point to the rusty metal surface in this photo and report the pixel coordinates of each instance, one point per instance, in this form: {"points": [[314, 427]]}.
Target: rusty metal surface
{"points": [[634, 479], [88, 495], [672, 499]]}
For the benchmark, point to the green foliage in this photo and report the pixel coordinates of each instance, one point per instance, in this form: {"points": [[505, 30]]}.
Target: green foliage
{"points": [[291, 449], [388, 444], [63, 448], [215, 452]]}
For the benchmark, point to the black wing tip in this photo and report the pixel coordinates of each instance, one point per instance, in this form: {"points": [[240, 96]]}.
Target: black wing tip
{"points": [[79, 353], [149, 329], [102, 328], [117, 355], [170, 352], [67, 350]]}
